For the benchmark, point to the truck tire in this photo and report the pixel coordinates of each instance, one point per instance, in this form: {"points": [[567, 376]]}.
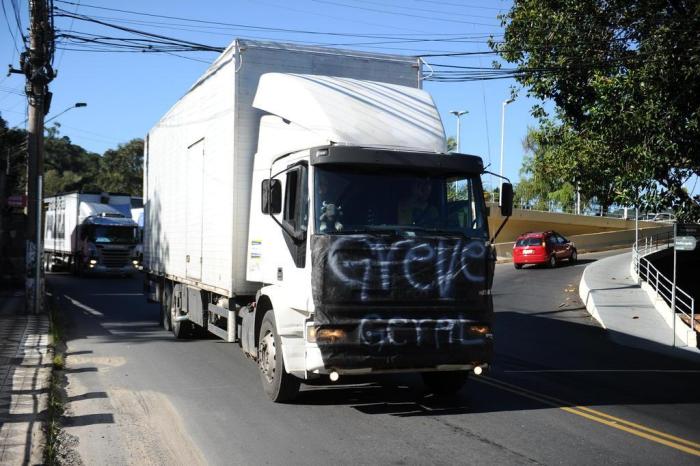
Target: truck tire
{"points": [[279, 385], [165, 305], [445, 383], [181, 329]]}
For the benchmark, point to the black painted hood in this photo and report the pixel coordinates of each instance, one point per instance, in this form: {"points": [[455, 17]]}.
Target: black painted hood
{"points": [[404, 302]]}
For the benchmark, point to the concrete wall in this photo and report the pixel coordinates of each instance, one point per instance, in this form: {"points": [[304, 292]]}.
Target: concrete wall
{"points": [[594, 241], [524, 220]]}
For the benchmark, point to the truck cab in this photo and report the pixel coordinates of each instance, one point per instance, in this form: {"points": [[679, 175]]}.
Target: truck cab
{"points": [[374, 260], [107, 244], [372, 257]]}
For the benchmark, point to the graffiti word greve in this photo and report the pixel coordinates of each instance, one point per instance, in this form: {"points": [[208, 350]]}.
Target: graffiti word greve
{"points": [[367, 263], [375, 331]]}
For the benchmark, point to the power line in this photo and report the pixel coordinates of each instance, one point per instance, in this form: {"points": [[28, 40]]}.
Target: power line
{"points": [[243, 26], [409, 15], [427, 10], [9, 27]]}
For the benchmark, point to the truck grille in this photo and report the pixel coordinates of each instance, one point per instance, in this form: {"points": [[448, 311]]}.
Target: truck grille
{"points": [[115, 258]]}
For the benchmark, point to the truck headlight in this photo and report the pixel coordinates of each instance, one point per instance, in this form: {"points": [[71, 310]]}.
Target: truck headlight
{"points": [[93, 261]]}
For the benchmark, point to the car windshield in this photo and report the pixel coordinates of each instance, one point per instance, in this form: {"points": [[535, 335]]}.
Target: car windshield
{"points": [[534, 241], [113, 234], [408, 203]]}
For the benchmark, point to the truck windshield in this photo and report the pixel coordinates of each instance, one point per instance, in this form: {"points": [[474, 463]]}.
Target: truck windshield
{"points": [[356, 201], [113, 234]]}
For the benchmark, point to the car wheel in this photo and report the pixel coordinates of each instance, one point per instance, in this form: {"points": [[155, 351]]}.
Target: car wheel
{"points": [[279, 385], [517, 266], [574, 256], [552, 261]]}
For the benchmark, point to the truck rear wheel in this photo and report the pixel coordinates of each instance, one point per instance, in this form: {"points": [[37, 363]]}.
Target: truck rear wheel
{"points": [[166, 303], [279, 385], [180, 328], [445, 383]]}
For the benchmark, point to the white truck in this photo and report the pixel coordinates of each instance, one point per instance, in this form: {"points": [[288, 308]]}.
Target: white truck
{"points": [[90, 233], [300, 202]]}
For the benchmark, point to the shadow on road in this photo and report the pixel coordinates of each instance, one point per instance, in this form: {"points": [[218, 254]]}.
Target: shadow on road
{"points": [[555, 351]]}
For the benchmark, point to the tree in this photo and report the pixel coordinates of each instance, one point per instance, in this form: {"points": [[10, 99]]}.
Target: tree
{"points": [[68, 167], [451, 144], [623, 76], [121, 169], [542, 184], [13, 150]]}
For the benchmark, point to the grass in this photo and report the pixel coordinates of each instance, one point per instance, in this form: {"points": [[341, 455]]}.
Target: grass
{"points": [[56, 404]]}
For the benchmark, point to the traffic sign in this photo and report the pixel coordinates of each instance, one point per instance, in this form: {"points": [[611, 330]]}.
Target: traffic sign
{"points": [[685, 243]]}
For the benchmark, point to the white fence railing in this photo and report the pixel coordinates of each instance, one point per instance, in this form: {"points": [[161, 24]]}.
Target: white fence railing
{"points": [[677, 299]]}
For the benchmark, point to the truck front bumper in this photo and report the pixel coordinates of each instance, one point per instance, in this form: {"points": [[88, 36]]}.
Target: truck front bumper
{"points": [[444, 345]]}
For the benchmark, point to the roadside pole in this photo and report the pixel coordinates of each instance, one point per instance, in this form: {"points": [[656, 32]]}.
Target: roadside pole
{"points": [[36, 65], [673, 287]]}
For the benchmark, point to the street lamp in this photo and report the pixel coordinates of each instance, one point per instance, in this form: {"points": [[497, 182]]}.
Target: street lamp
{"points": [[503, 127], [76, 105], [458, 114]]}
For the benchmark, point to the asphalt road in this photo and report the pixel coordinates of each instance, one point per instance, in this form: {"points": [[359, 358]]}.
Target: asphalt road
{"points": [[560, 393]]}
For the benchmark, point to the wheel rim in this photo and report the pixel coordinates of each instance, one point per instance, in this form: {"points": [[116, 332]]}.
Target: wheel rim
{"points": [[267, 356], [574, 256]]}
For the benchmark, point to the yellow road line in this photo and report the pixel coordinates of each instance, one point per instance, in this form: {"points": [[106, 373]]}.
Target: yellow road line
{"points": [[639, 430]]}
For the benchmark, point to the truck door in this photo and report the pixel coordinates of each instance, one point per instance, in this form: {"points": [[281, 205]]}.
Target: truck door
{"points": [[290, 265], [194, 210]]}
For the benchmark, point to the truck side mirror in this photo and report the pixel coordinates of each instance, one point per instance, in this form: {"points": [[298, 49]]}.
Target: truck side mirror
{"points": [[506, 199], [271, 196]]}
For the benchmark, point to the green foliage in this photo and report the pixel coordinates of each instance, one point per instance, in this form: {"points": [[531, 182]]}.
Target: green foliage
{"points": [[624, 78], [543, 182], [67, 166], [451, 144], [12, 150], [121, 169]]}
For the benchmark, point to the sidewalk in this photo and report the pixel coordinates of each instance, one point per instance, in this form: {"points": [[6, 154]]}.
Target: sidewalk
{"points": [[622, 307], [25, 367]]}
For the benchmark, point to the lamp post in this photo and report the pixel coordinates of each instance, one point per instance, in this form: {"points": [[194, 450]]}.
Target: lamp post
{"points": [[503, 127], [458, 114], [76, 105]]}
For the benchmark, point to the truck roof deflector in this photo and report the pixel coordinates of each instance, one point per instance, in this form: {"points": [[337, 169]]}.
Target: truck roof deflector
{"points": [[376, 113]]}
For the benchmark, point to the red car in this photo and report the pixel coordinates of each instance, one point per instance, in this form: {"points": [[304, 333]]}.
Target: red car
{"points": [[548, 247]]}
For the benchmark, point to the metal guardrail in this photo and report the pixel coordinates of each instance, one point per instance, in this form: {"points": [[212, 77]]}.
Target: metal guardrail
{"points": [[677, 299]]}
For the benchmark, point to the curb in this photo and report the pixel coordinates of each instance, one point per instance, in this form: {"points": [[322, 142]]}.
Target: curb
{"points": [[586, 295], [588, 298]]}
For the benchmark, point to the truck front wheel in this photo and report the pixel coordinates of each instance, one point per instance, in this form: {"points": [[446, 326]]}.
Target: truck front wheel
{"points": [[445, 383], [279, 385]]}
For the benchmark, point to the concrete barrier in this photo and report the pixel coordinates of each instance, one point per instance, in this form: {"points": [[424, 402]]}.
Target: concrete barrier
{"points": [[593, 241], [567, 224]]}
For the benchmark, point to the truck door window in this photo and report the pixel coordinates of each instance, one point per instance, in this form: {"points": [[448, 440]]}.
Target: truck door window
{"points": [[290, 198], [295, 212]]}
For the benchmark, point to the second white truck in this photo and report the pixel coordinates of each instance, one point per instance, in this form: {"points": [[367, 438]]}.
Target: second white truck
{"points": [[90, 233], [300, 202]]}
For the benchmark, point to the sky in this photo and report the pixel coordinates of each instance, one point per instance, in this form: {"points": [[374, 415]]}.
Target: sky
{"points": [[127, 93]]}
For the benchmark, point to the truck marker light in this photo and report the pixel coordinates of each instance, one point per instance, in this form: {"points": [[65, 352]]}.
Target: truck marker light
{"points": [[330, 335], [334, 376], [93, 261], [310, 333], [135, 262]]}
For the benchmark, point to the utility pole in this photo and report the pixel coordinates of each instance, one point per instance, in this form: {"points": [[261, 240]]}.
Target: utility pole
{"points": [[36, 65]]}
